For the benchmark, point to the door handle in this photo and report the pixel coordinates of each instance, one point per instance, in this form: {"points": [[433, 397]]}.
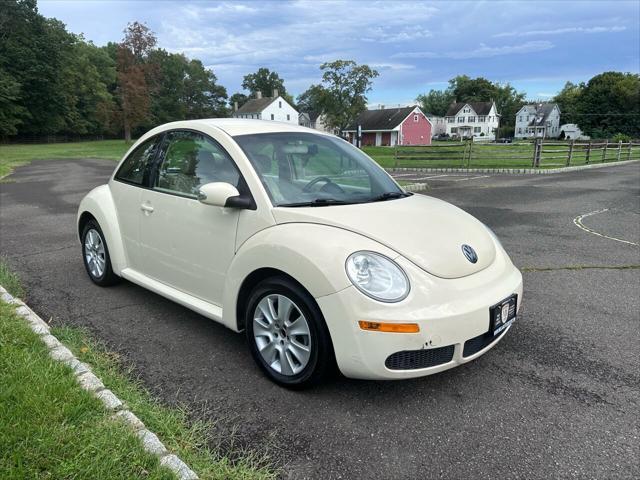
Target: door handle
{"points": [[147, 209]]}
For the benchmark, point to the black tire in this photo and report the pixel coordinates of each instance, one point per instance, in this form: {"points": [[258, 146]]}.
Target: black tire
{"points": [[321, 361], [107, 278]]}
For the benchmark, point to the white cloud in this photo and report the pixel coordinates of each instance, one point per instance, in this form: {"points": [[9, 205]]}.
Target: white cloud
{"points": [[482, 51], [392, 66], [560, 31], [388, 35]]}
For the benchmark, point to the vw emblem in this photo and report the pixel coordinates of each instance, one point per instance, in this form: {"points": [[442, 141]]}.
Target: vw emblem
{"points": [[470, 253]]}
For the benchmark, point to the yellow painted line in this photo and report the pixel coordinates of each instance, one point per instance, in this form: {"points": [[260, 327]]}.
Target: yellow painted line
{"points": [[578, 222]]}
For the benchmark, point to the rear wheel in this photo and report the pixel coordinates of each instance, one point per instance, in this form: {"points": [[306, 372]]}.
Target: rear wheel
{"points": [[287, 335], [96, 255]]}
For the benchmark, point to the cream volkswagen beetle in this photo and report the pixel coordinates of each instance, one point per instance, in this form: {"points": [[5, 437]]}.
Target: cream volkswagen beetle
{"points": [[302, 241]]}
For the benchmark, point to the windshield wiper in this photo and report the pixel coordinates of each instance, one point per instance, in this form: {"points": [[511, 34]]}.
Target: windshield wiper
{"points": [[318, 202], [390, 196]]}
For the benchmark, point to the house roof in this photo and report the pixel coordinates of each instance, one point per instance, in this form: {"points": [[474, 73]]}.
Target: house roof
{"points": [[543, 110], [381, 119], [256, 105], [481, 108]]}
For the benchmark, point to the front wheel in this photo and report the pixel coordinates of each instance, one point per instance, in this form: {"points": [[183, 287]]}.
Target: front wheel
{"points": [[96, 255], [287, 335]]}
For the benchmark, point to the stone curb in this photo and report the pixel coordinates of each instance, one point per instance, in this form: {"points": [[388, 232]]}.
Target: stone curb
{"points": [[508, 171], [88, 381]]}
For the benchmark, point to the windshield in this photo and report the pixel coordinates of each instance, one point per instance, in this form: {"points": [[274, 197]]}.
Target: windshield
{"points": [[300, 169]]}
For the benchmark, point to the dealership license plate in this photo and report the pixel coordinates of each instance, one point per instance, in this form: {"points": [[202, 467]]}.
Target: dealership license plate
{"points": [[503, 314]]}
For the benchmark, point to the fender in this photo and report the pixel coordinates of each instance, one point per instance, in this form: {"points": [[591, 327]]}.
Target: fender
{"points": [[99, 203], [313, 254]]}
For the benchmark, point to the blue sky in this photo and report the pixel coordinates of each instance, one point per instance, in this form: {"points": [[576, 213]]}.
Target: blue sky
{"points": [[416, 46]]}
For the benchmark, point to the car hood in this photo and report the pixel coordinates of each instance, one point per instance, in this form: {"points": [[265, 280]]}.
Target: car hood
{"points": [[427, 231]]}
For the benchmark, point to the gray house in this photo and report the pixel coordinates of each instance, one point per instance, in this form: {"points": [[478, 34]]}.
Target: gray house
{"points": [[538, 120]]}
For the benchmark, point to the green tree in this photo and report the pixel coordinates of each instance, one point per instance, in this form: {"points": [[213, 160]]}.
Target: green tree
{"points": [[568, 100], [264, 81], [11, 112], [610, 104], [239, 98], [203, 97], [435, 102], [312, 99], [345, 84]]}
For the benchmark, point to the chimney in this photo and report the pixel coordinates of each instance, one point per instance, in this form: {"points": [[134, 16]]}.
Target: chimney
{"points": [[258, 94], [235, 106], [275, 93]]}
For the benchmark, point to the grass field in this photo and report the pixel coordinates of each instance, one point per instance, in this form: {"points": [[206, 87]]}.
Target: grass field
{"points": [[12, 156], [50, 428], [441, 154]]}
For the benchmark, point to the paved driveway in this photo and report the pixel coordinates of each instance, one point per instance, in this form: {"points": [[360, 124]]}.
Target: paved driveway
{"points": [[558, 397]]}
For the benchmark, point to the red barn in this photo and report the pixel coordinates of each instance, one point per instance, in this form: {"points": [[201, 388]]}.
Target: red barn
{"points": [[392, 126]]}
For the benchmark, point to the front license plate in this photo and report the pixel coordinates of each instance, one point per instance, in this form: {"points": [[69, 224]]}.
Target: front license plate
{"points": [[503, 314]]}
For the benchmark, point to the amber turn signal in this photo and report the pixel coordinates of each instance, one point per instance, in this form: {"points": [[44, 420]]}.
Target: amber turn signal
{"points": [[389, 327]]}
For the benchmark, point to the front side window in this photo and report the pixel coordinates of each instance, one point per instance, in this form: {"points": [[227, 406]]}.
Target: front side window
{"points": [[472, 119], [137, 166], [189, 160], [301, 169], [460, 119]]}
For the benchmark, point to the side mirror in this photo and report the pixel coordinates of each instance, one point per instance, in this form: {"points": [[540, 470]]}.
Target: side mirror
{"points": [[221, 194]]}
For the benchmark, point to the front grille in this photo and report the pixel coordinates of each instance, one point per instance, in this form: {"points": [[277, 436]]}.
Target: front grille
{"points": [[414, 359], [475, 344]]}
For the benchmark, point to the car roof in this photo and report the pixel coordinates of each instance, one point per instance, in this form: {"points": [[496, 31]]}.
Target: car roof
{"points": [[243, 126]]}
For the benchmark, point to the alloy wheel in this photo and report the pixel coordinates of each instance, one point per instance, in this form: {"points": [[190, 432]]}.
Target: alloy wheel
{"points": [[94, 253], [282, 335]]}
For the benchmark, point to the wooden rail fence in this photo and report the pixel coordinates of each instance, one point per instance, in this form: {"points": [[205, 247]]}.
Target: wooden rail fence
{"points": [[538, 154]]}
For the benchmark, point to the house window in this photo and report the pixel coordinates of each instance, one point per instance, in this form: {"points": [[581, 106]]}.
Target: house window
{"points": [[476, 129], [520, 118], [415, 118], [454, 130], [472, 119], [482, 119], [520, 130], [288, 117], [272, 117], [460, 119], [279, 104], [450, 119]]}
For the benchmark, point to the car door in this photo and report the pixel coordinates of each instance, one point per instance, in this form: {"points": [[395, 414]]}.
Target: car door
{"points": [[126, 189], [186, 244]]}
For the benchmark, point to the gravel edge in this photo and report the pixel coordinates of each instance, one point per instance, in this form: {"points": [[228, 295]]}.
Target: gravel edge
{"points": [[90, 382]]}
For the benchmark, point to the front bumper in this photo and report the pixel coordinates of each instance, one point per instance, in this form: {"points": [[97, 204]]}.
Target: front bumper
{"points": [[449, 312]]}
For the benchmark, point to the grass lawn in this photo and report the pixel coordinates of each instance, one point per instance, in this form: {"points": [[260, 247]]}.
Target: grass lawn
{"points": [[12, 156], [50, 428], [442, 154]]}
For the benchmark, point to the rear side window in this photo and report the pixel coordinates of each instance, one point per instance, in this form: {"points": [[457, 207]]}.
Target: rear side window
{"points": [[191, 160], [137, 165]]}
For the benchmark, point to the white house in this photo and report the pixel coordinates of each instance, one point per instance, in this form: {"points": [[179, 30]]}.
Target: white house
{"points": [[571, 131], [538, 120], [314, 120], [273, 108], [473, 119], [439, 125]]}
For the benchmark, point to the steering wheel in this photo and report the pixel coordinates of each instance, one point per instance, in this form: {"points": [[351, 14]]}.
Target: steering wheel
{"points": [[332, 187]]}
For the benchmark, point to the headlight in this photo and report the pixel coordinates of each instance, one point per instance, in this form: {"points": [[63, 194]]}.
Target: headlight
{"points": [[377, 276]]}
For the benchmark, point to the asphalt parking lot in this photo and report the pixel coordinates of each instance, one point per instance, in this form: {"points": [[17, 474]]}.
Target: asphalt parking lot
{"points": [[557, 398]]}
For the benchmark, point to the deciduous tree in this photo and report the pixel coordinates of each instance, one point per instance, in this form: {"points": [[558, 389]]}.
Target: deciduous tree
{"points": [[345, 85]]}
